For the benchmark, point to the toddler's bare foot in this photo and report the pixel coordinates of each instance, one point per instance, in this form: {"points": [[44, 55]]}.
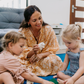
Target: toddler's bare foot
{"points": [[60, 81]]}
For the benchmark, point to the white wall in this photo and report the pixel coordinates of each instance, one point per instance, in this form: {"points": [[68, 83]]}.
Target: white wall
{"points": [[53, 11]]}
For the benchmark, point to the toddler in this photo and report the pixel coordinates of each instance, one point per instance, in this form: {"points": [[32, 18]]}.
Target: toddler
{"points": [[13, 43], [71, 36]]}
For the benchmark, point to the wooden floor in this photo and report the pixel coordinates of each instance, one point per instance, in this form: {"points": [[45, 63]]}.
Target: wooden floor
{"points": [[61, 51]]}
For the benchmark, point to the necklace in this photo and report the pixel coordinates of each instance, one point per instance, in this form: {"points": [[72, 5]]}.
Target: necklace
{"points": [[36, 35]]}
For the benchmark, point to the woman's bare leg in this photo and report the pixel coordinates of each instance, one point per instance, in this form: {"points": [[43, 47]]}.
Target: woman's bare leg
{"points": [[6, 78]]}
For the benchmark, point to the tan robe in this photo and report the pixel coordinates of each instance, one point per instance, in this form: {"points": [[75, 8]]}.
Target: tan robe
{"points": [[49, 65]]}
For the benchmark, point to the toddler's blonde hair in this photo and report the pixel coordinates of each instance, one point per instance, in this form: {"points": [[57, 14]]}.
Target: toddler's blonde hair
{"points": [[72, 32], [11, 36]]}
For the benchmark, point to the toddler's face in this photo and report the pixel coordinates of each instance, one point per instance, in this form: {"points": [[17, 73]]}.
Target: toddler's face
{"points": [[70, 44], [18, 47]]}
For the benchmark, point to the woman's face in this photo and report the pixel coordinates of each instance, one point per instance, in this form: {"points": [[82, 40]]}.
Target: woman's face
{"points": [[36, 20]]}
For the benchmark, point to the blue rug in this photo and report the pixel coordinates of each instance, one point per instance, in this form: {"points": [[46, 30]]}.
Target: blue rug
{"points": [[62, 56]]}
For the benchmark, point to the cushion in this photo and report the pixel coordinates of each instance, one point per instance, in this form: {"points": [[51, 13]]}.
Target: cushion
{"points": [[10, 19]]}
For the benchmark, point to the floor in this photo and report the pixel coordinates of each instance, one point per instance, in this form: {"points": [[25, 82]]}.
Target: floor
{"points": [[61, 51]]}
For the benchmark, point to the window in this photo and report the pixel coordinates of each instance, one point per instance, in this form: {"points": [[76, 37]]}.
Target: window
{"points": [[14, 3]]}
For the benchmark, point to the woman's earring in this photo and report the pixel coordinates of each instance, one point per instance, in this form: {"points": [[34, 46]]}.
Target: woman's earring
{"points": [[28, 24]]}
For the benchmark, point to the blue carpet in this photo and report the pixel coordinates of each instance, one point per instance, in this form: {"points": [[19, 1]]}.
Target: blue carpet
{"points": [[62, 56]]}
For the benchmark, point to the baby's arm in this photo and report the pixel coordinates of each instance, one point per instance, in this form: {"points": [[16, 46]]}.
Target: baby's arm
{"points": [[80, 71], [34, 78], [65, 63]]}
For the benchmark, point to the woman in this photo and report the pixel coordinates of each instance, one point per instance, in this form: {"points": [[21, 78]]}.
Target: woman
{"points": [[41, 62]]}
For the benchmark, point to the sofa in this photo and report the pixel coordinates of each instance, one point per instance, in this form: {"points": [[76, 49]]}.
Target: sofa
{"points": [[10, 19]]}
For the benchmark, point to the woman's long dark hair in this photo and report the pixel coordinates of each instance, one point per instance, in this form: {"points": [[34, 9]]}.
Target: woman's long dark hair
{"points": [[27, 14]]}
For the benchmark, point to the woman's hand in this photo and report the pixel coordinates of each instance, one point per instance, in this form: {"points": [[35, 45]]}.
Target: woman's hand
{"points": [[33, 51], [39, 56], [35, 58], [35, 48]]}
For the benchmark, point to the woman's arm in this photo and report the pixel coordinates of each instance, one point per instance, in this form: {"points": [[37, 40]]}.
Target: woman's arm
{"points": [[30, 53], [43, 55], [34, 51], [38, 56], [34, 78]]}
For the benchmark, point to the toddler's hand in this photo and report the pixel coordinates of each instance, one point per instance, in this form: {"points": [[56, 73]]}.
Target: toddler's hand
{"points": [[55, 76], [69, 81], [47, 82]]}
